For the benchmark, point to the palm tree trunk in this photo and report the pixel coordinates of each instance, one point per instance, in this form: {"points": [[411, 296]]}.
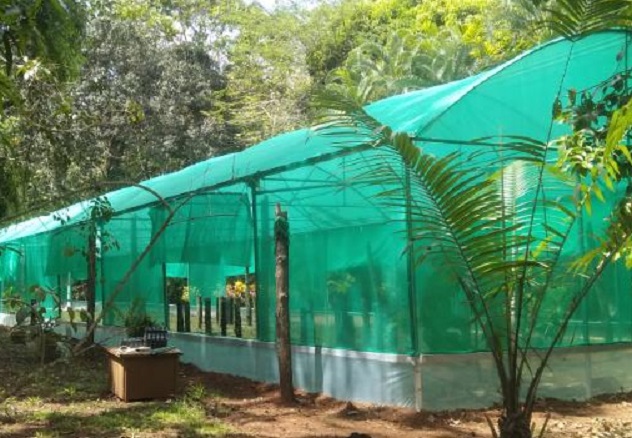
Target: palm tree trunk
{"points": [[515, 425]]}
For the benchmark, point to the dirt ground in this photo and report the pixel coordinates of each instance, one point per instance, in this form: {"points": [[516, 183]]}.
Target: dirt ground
{"points": [[72, 399], [254, 410]]}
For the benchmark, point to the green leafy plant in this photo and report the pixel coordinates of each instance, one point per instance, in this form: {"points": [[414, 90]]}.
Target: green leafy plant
{"points": [[177, 290], [338, 284], [31, 322], [136, 319]]}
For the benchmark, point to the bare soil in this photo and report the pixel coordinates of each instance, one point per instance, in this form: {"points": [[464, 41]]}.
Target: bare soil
{"points": [[254, 409], [71, 399]]}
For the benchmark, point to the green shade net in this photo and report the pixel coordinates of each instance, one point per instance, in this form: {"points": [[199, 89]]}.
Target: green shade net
{"points": [[131, 233], [351, 282], [347, 268]]}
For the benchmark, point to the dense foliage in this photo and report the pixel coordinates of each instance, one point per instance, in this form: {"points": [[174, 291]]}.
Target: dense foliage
{"points": [[118, 91]]}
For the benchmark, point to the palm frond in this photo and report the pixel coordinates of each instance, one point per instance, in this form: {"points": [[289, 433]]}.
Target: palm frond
{"points": [[576, 18]]}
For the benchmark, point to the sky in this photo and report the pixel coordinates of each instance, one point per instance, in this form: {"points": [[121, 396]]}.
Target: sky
{"points": [[271, 4], [268, 4]]}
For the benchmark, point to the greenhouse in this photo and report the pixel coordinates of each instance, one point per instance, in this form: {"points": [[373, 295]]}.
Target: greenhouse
{"points": [[366, 323]]}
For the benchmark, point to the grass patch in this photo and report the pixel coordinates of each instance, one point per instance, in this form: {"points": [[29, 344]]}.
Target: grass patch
{"points": [[178, 418], [70, 398]]}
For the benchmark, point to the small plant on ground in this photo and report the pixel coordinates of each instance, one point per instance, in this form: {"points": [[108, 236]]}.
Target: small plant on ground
{"points": [[32, 326]]}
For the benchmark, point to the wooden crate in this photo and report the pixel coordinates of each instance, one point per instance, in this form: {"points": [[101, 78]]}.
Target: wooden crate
{"points": [[142, 376]]}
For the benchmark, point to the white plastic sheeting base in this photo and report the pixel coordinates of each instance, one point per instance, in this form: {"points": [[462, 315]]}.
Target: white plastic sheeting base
{"points": [[447, 381], [7, 319]]}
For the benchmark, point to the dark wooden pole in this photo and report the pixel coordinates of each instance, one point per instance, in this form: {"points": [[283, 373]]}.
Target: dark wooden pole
{"points": [[237, 310], [222, 316], [284, 347], [248, 298], [230, 311], [187, 317], [208, 329], [217, 309], [179, 317]]}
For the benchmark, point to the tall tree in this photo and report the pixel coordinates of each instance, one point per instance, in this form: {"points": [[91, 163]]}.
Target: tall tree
{"points": [[34, 34], [147, 101], [267, 77], [48, 30]]}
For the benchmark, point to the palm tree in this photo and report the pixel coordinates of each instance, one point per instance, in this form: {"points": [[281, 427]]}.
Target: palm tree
{"points": [[446, 59], [374, 71], [576, 18], [508, 261]]}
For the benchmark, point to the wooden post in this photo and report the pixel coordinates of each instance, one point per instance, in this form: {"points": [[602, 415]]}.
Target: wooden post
{"points": [[207, 316], [198, 304], [237, 310], [230, 311], [187, 317], [222, 316], [248, 299], [217, 309], [284, 347], [179, 317]]}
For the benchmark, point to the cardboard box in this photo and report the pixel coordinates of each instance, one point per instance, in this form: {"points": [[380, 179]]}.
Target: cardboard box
{"points": [[142, 376]]}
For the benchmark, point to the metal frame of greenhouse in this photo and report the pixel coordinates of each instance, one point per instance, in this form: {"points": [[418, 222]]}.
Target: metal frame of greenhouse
{"points": [[367, 325]]}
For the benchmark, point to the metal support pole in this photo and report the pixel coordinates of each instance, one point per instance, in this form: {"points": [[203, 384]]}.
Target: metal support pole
{"points": [[586, 329], [101, 272], [410, 268], [165, 297], [255, 248], [412, 291], [418, 381]]}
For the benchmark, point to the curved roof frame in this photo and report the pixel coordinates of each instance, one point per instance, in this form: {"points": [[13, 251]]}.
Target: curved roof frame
{"points": [[430, 115]]}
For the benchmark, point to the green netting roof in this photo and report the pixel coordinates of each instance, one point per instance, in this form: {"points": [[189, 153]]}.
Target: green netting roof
{"points": [[351, 285], [512, 98]]}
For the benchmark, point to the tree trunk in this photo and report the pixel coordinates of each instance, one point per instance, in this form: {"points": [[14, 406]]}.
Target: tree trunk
{"points": [[284, 347], [515, 425], [91, 286]]}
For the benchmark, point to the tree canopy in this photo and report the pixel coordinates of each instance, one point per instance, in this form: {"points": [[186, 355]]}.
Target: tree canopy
{"points": [[111, 91]]}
